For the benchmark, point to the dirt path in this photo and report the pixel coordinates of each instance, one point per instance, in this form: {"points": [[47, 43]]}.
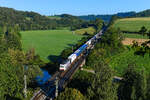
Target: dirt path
{"points": [[128, 41]]}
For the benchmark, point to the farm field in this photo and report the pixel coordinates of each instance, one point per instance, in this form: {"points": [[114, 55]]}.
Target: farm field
{"points": [[137, 36], [132, 24], [129, 38], [120, 62], [129, 41], [89, 30], [48, 43]]}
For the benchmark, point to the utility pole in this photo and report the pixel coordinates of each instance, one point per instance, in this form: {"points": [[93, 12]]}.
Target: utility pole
{"points": [[25, 81], [72, 48], [56, 83]]}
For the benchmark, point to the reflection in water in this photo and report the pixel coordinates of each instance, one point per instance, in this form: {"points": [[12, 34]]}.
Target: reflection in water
{"points": [[43, 78]]}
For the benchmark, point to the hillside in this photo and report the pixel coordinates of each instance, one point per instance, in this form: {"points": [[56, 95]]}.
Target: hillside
{"points": [[132, 24], [33, 21], [145, 13], [106, 18]]}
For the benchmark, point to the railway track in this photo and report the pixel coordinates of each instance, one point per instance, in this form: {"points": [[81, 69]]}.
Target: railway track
{"points": [[64, 78]]}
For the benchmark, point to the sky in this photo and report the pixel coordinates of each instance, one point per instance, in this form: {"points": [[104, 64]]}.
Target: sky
{"points": [[77, 7]]}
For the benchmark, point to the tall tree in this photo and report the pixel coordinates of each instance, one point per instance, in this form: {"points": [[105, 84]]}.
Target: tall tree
{"points": [[143, 30], [70, 94], [102, 87], [148, 87], [99, 24], [148, 34], [134, 85]]}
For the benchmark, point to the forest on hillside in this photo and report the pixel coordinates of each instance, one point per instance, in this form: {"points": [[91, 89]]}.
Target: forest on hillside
{"points": [[34, 21], [107, 17]]}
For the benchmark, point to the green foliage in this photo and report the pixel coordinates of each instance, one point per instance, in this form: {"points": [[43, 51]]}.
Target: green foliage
{"points": [[145, 13], [148, 34], [143, 30], [134, 84], [108, 46], [99, 24], [66, 52], [12, 61], [70, 94], [81, 81], [120, 61], [112, 21], [102, 87], [142, 49], [148, 87], [34, 21]]}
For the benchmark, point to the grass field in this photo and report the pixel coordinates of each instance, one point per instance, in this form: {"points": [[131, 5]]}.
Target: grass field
{"points": [[120, 62], [89, 30], [54, 17], [132, 24], [137, 36], [48, 43]]}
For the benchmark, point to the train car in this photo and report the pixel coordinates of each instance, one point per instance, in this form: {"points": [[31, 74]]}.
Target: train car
{"points": [[72, 57], [80, 50], [64, 65], [89, 42]]}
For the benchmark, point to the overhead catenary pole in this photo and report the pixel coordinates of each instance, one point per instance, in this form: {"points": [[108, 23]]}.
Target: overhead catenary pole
{"points": [[25, 81], [56, 83]]}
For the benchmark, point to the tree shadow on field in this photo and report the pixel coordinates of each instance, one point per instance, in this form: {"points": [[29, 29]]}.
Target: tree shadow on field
{"points": [[54, 58], [70, 45]]}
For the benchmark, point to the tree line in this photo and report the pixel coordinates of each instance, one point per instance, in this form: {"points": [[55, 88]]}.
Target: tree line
{"points": [[34, 21]]}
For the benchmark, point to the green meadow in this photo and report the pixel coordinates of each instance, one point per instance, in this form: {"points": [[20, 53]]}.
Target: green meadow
{"points": [[48, 43], [132, 24]]}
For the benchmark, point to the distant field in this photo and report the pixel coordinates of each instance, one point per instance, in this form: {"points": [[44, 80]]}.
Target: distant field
{"points": [[89, 30], [48, 42], [137, 36], [129, 41], [120, 62], [54, 17], [132, 24]]}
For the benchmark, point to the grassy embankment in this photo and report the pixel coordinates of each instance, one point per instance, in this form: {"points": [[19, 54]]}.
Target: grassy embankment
{"points": [[48, 43]]}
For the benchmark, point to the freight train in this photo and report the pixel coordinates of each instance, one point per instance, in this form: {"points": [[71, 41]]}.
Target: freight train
{"points": [[64, 66]]}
